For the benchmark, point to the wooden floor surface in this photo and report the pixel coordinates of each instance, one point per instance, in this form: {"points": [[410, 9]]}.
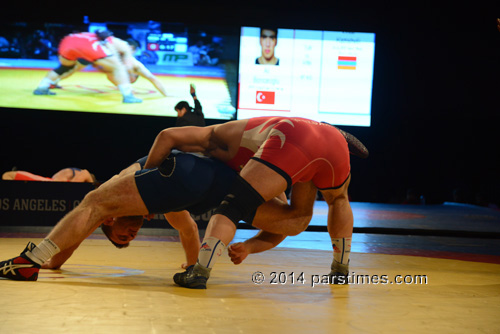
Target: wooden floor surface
{"points": [[107, 290]]}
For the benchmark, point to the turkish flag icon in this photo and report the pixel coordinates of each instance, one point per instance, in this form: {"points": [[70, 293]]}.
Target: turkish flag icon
{"points": [[264, 97]]}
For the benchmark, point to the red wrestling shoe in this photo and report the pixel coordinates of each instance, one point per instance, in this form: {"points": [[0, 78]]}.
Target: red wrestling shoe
{"points": [[20, 268]]}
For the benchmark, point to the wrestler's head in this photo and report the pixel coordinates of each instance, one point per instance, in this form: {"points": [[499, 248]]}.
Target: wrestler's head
{"points": [[103, 34], [120, 231], [134, 44]]}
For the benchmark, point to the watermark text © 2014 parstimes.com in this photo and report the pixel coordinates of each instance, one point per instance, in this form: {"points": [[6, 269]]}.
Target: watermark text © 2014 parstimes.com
{"points": [[301, 278]]}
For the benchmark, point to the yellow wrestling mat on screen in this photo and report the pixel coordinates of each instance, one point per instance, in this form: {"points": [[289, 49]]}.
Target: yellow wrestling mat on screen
{"points": [[90, 91], [106, 290]]}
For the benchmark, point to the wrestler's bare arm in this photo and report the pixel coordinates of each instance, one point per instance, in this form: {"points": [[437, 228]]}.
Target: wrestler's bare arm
{"points": [[188, 233], [187, 139], [220, 141], [226, 139], [261, 242], [143, 71], [60, 258]]}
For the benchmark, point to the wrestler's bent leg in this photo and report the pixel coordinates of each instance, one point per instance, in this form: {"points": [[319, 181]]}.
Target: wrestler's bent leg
{"points": [[52, 77], [279, 217], [260, 183], [117, 70], [340, 227]]}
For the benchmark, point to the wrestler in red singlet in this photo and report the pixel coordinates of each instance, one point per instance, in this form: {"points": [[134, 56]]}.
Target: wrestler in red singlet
{"points": [[295, 147], [84, 45]]}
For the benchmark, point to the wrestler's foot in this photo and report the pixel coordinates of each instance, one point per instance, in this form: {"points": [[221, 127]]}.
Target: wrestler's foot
{"points": [[195, 277], [339, 273], [20, 268], [43, 91], [131, 99]]}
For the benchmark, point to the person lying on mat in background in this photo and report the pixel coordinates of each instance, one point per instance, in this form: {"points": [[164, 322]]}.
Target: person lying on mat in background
{"points": [[70, 174]]}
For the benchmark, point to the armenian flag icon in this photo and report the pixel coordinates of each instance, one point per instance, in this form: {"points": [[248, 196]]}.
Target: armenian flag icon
{"points": [[346, 63]]}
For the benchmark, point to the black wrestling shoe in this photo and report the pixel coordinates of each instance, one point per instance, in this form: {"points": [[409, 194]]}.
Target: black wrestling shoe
{"points": [[29, 247], [193, 277], [339, 273], [20, 268]]}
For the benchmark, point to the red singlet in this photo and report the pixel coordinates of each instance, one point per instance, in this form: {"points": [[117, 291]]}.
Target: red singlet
{"points": [[84, 45], [302, 149]]}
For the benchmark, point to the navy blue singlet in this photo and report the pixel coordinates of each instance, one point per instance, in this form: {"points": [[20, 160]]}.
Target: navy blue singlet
{"points": [[184, 182]]}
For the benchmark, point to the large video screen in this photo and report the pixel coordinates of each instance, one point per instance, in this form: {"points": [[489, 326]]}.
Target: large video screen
{"points": [[176, 54], [321, 75]]}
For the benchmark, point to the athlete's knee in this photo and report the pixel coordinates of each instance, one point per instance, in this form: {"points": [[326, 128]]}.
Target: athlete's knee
{"points": [[335, 195], [91, 199], [188, 231], [64, 69], [299, 225], [300, 216], [241, 202], [182, 222], [301, 210]]}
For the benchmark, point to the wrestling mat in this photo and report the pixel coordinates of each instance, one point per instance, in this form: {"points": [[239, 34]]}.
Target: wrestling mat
{"points": [[107, 290]]}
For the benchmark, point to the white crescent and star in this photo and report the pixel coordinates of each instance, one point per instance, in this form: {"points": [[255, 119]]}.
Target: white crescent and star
{"points": [[260, 97]]}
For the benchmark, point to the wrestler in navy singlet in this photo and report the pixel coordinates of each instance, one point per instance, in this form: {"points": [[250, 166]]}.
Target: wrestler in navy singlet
{"points": [[184, 182]]}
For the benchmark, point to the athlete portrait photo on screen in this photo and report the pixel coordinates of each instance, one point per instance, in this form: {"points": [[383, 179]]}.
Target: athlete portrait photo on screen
{"points": [[268, 41]]}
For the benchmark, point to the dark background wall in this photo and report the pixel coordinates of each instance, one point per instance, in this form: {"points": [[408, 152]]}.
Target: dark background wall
{"points": [[435, 94]]}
